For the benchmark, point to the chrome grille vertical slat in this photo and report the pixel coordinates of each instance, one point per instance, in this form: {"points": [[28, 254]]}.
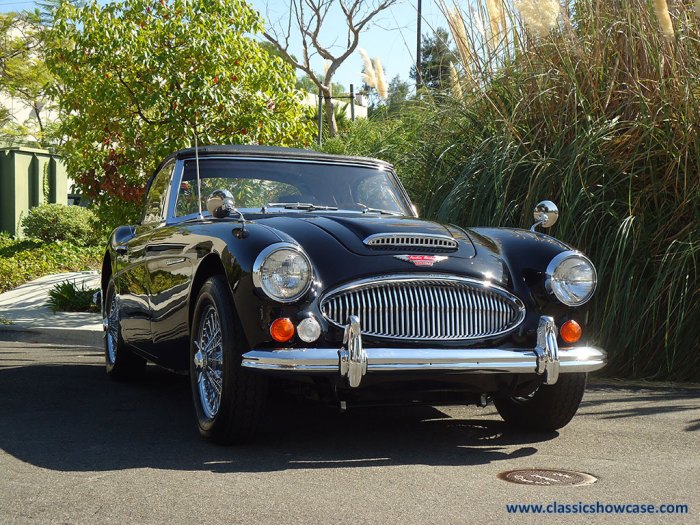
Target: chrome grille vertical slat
{"points": [[385, 310], [440, 309], [483, 313], [392, 329], [495, 315], [435, 329], [411, 292], [433, 310], [425, 309], [480, 316], [488, 314], [399, 325], [375, 310], [461, 314], [455, 312], [451, 319], [362, 301], [404, 310], [501, 312], [420, 311], [471, 307]]}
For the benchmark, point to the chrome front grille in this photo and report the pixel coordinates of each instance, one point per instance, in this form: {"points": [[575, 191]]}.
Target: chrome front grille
{"points": [[425, 308], [411, 240]]}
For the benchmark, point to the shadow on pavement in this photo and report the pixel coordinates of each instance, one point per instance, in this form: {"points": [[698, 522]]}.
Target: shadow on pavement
{"points": [[70, 417], [693, 426], [647, 402]]}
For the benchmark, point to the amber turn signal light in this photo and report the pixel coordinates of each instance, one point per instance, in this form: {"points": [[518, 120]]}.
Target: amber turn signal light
{"points": [[282, 329], [570, 331]]}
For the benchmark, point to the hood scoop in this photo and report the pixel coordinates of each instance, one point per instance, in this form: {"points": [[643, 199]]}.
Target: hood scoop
{"points": [[411, 240]]}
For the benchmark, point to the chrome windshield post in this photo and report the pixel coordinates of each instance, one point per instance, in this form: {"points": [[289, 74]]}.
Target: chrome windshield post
{"points": [[547, 350], [353, 358]]}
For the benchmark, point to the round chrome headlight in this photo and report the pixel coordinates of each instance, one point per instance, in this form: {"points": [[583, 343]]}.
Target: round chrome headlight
{"points": [[283, 272], [572, 278]]}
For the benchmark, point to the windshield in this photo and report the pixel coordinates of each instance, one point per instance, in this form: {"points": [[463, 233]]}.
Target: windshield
{"points": [[259, 185]]}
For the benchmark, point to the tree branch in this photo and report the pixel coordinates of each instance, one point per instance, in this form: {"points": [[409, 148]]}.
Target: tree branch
{"points": [[135, 101]]}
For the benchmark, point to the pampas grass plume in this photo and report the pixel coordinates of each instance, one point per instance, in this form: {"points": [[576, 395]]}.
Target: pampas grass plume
{"points": [[495, 11], [459, 34], [456, 86], [381, 86], [661, 8], [368, 76], [539, 17]]}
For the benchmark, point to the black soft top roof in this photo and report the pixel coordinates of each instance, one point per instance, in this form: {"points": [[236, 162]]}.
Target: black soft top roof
{"points": [[274, 152]]}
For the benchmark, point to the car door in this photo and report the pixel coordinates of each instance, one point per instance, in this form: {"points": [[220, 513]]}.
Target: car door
{"points": [[134, 279], [170, 269]]}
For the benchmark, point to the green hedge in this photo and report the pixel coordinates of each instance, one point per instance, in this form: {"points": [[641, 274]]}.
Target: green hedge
{"points": [[57, 222], [24, 260]]}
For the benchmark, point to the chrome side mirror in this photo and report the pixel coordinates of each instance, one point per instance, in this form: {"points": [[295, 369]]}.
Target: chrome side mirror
{"points": [[546, 215], [220, 204]]}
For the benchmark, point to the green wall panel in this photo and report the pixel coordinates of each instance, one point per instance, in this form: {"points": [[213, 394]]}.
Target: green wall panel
{"points": [[28, 177]]}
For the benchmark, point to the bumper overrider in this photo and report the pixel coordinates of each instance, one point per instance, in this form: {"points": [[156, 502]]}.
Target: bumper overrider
{"points": [[353, 361]]}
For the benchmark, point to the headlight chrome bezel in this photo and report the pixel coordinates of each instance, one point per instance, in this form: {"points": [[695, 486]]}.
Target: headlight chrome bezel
{"points": [[260, 261], [554, 265]]}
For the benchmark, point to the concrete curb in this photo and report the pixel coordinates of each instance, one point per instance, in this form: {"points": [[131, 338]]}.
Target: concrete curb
{"points": [[32, 320]]}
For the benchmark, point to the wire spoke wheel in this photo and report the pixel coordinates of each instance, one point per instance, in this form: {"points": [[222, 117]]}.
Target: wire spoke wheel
{"points": [[228, 400], [120, 360], [208, 362], [112, 333]]}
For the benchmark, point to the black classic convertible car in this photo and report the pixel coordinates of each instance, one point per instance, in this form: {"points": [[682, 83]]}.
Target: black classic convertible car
{"points": [[260, 266]]}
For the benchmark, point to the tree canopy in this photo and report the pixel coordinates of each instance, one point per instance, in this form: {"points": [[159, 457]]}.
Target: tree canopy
{"points": [[23, 75], [138, 79], [436, 58]]}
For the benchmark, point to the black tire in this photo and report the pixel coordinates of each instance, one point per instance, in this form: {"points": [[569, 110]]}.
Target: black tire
{"points": [[241, 403], [120, 361], [550, 408]]}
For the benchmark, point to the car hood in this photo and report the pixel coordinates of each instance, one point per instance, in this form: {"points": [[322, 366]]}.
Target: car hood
{"points": [[336, 248], [351, 232], [511, 258]]}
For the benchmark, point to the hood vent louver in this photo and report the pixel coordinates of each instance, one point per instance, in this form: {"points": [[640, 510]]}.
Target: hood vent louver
{"points": [[411, 240]]}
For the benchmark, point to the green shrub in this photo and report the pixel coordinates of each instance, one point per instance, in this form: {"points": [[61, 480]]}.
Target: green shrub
{"points": [[56, 222], [24, 260], [68, 297]]}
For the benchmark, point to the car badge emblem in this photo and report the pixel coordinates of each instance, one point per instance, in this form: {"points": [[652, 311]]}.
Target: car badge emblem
{"points": [[422, 260]]}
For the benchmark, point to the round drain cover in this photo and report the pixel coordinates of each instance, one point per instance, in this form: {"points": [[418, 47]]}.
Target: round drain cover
{"points": [[543, 476]]}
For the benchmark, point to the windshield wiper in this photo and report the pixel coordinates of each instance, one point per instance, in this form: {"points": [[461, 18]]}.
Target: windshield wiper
{"points": [[367, 209], [306, 206]]}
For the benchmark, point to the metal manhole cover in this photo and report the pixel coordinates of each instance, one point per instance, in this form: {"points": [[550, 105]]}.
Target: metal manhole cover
{"points": [[542, 476]]}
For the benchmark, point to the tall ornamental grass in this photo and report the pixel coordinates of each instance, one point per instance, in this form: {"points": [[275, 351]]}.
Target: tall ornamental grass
{"points": [[600, 114]]}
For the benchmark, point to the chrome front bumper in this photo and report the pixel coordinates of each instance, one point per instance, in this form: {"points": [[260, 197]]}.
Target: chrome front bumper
{"points": [[353, 361]]}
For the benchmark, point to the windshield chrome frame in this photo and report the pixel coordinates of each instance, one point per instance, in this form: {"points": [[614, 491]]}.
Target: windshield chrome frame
{"points": [[180, 169]]}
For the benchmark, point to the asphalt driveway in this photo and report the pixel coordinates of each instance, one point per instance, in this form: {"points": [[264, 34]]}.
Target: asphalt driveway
{"points": [[78, 448]]}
